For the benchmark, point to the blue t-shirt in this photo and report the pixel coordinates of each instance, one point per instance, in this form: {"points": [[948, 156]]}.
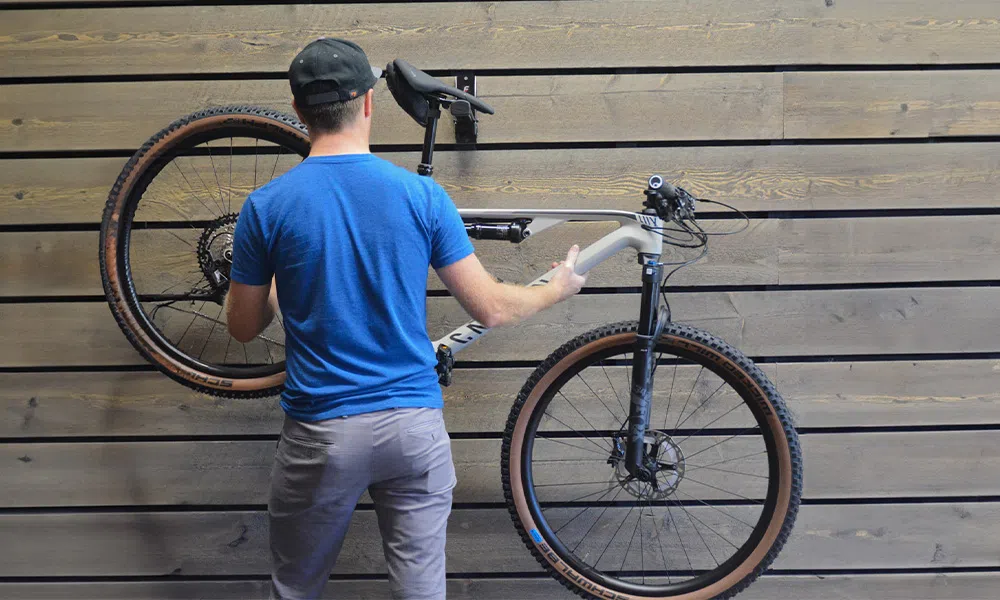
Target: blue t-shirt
{"points": [[349, 239]]}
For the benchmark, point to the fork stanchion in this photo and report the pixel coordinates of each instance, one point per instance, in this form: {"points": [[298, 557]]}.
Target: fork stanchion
{"points": [[642, 371]]}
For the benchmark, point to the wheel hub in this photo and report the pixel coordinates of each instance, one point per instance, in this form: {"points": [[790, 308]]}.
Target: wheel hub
{"points": [[215, 251], [662, 457]]}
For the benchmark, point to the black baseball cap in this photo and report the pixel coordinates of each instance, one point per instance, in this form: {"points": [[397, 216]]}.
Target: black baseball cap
{"points": [[331, 70]]}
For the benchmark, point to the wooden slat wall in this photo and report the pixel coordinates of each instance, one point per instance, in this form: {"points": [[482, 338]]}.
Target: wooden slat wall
{"points": [[867, 279]]}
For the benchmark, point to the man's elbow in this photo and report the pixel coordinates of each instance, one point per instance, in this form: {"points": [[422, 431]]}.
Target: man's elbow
{"points": [[493, 317], [241, 334]]}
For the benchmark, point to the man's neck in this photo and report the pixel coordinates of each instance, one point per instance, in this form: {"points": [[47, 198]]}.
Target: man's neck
{"points": [[344, 142]]}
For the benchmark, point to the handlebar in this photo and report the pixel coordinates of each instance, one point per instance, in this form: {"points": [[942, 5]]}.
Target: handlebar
{"points": [[670, 202]]}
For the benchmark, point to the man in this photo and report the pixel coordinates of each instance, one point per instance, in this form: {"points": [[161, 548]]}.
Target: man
{"points": [[348, 238]]}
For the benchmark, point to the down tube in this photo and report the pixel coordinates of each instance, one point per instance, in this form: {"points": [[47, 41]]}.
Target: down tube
{"points": [[629, 235]]}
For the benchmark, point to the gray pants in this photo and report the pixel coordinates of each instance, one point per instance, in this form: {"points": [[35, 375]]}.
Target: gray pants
{"points": [[321, 469]]}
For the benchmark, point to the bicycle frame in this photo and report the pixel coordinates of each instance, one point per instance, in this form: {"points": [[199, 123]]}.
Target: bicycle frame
{"points": [[631, 234], [636, 230]]}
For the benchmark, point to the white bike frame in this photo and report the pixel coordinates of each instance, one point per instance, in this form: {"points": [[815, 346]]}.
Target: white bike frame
{"points": [[637, 231]]}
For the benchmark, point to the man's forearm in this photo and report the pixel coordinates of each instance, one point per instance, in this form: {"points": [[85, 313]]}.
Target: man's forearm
{"points": [[515, 303]]}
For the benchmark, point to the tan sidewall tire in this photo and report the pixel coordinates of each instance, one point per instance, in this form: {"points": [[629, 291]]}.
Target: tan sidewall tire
{"points": [[597, 590], [114, 281]]}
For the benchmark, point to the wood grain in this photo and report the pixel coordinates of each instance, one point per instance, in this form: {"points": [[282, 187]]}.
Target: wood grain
{"points": [[529, 109], [688, 106], [770, 252], [850, 465], [235, 543], [939, 586], [882, 322], [837, 394], [499, 35], [73, 190], [891, 104]]}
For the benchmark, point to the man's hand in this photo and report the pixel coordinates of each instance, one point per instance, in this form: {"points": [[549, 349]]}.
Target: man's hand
{"points": [[566, 281]]}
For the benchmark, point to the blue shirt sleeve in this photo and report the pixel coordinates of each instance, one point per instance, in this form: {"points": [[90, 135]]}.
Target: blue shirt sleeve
{"points": [[251, 262], [449, 242]]}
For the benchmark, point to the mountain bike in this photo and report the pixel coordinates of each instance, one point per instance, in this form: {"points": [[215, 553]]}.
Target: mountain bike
{"points": [[644, 459]]}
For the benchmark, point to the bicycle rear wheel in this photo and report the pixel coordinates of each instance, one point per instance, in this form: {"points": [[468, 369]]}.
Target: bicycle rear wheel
{"points": [[166, 245], [728, 479]]}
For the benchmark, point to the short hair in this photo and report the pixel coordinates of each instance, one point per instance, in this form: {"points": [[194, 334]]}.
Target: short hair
{"points": [[331, 117]]}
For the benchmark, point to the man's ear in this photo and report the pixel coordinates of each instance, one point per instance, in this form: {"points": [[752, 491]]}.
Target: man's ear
{"points": [[369, 101], [298, 113]]}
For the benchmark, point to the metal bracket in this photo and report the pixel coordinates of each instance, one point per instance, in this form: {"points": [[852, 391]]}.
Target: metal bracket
{"points": [[466, 121]]}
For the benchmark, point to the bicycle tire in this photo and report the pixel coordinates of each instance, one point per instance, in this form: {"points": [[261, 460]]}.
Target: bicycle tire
{"points": [[564, 567], [116, 230]]}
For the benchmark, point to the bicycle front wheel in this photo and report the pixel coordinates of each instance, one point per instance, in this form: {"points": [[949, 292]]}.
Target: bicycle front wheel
{"points": [[728, 469], [166, 245]]}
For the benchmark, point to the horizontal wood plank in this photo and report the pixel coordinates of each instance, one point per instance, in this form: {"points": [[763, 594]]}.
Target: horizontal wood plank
{"points": [[796, 323], [839, 394], [544, 108], [850, 465], [498, 35], [770, 252], [688, 106], [74, 190], [891, 104], [934, 586], [207, 543]]}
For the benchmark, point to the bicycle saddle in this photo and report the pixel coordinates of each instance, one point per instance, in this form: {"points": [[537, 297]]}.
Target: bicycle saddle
{"points": [[412, 89]]}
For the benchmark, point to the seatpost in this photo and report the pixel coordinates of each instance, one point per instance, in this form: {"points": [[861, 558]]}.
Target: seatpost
{"points": [[430, 132], [643, 362]]}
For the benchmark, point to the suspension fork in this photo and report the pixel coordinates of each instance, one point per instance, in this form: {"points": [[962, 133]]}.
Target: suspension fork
{"points": [[643, 362]]}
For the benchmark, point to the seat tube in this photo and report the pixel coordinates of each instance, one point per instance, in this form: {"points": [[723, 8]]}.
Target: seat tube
{"points": [[643, 361]]}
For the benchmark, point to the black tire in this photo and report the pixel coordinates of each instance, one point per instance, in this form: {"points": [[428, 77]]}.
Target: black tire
{"points": [[749, 385], [143, 167]]}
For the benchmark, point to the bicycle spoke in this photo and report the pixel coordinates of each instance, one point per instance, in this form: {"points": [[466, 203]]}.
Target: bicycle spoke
{"points": [[737, 434], [176, 164], [724, 538], [704, 402], [225, 356], [592, 428], [246, 357], [716, 420], [599, 517], [276, 157], [631, 539], [624, 412], [693, 480], [255, 155], [210, 194], [689, 468], [689, 465], [659, 542], [210, 332], [212, 159], [603, 453], [179, 237], [538, 485], [613, 390], [613, 536], [230, 174], [268, 350], [603, 493], [695, 385], [715, 508], [698, 531], [670, 395], [193, 319], [677, 531]]}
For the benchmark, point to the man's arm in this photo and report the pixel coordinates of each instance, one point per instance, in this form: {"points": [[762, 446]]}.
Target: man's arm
{"points": [[250, 309], [494, 304]]}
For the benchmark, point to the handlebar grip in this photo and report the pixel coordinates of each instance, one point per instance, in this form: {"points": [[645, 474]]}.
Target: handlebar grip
{"points": [[664, 187]]}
